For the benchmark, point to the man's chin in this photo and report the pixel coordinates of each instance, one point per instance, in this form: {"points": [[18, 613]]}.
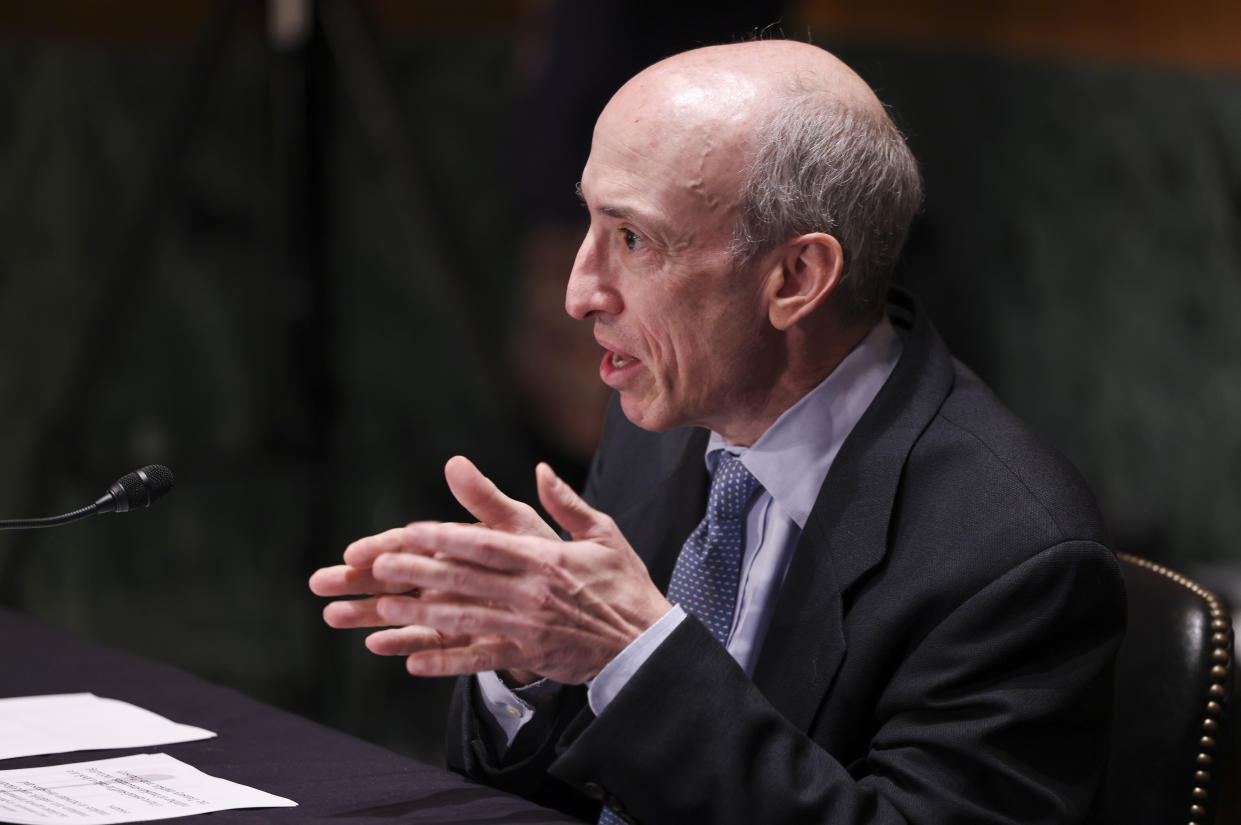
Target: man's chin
{"points": [[641, 413]]}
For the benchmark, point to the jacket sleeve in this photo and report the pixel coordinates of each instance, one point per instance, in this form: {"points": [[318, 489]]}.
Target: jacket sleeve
{"points": [[999, 714], [523, 768]]}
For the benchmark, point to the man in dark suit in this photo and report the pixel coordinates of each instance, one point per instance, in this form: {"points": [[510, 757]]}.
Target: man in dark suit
{"points": [[899, 606]]}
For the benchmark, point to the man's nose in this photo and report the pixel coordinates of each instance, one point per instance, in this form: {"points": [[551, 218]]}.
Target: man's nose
{"points": [[589, 291]]}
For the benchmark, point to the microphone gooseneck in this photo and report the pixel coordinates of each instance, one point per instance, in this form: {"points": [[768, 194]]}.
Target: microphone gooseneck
{"points": [[132, 491]]}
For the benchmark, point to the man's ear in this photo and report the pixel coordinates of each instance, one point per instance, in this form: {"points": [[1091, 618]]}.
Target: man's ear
{"points": [[804, 274]]}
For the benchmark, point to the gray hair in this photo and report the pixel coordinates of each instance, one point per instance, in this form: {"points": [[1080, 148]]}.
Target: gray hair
{"points": [[825, 166]]}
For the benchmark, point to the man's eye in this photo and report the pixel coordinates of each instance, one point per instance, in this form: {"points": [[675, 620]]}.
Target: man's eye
{"points": [[631, 239]]}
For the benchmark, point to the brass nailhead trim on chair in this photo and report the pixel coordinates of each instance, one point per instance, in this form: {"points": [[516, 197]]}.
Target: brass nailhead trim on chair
{"points": [[1217, 692]]}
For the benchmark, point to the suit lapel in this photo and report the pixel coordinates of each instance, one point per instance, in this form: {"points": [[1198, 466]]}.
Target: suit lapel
{"points": [[664, 484], [846, 533]]}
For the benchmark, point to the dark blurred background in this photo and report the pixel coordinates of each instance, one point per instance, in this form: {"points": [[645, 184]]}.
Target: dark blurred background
{"points": [[302, 253]]}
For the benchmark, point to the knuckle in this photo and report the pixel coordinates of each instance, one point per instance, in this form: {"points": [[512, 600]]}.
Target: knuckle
{"points": [[553, 561], [466, 622], [390, 567], [388, 608], [481, 660], [545, 600], [458, 578], [538, 597], [489, 550]]}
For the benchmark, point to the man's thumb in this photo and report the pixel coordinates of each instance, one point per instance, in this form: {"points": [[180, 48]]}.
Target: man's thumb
{"points": [[568, 508]]}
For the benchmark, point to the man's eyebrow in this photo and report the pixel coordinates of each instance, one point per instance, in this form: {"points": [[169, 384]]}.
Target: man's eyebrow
{"points": [[611, 211], [616, 212]]}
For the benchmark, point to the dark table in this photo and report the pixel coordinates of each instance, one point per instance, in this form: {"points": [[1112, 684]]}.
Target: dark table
{"points": [[334, 777]]}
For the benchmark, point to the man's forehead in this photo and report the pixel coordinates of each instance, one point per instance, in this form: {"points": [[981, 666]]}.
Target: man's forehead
{"points": [[645, 168], [689, 126]]}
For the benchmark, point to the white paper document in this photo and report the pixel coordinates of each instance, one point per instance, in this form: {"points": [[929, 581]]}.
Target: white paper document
{"points": [[31, 725], [125, 789]]}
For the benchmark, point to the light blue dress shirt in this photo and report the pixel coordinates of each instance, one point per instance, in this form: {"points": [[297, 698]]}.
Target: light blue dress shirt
{"points": [[790, 460]]}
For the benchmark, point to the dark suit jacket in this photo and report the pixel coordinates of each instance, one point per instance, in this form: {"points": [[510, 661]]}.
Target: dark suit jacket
{"points": [[941, 650]]}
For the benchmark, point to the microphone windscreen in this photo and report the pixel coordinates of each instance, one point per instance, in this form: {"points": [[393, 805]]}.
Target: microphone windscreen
{"points": [[158, 480], [137, 489]]}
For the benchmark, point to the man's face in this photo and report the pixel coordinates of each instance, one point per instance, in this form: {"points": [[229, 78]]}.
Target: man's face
{"points": [[685, 335]]}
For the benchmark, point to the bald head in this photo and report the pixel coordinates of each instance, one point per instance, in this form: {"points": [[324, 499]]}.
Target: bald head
{"points": [[740, 200], [758, 71], [790, 140]]}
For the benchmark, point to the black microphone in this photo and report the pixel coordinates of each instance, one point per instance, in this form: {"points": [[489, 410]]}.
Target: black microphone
{"points": [[132, 491]]}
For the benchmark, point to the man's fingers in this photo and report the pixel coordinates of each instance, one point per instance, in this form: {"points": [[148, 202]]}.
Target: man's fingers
{"points": [[353, 613], [569, 509], [459, 580], [452, 618], [402, 641], [344, 580], [363, 552], [490, 654], [484, 500], [348, 613], [490, 549]]}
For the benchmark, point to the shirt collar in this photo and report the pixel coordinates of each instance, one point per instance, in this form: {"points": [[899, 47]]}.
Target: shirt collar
{"points": [[791, 459]]}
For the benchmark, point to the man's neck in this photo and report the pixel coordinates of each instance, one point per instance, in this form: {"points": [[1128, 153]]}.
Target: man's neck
{"points": [[806, 364]]}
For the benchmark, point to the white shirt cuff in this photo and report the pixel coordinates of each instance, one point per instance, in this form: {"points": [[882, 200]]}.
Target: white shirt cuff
{"points": [[508, 709], [616, 674]]}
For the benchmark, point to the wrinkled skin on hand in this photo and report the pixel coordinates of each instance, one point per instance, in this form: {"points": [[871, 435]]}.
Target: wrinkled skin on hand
{"points": [[505, 594]]}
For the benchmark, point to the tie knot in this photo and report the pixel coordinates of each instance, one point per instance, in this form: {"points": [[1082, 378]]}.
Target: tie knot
{"points": [[731, 489]]}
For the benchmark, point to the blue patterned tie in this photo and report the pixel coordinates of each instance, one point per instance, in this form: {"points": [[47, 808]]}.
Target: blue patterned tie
{"points": [[704, 581]]}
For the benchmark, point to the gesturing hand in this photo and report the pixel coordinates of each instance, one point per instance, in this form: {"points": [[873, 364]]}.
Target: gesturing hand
{"points": [[506, 594]]}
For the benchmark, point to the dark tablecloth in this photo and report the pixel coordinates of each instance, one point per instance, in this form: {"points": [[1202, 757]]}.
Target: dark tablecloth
{"points": [[334, 777]]}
